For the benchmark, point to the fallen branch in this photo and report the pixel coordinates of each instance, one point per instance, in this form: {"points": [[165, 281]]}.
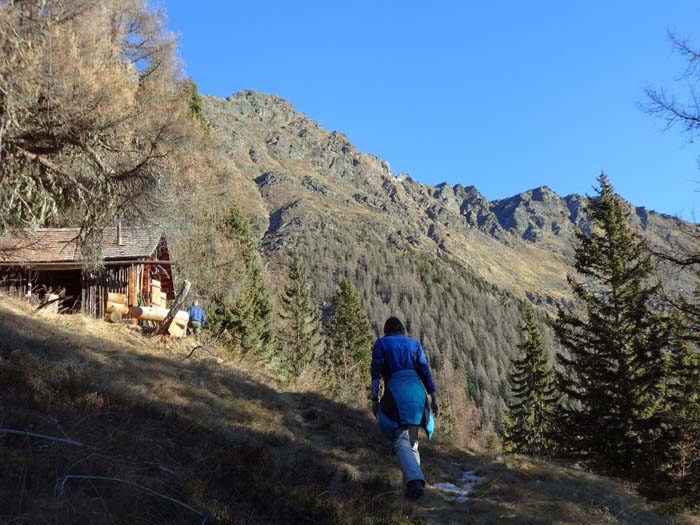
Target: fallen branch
{"points": [[193, 350], [42, 436], [127, 482], [197, 348]]}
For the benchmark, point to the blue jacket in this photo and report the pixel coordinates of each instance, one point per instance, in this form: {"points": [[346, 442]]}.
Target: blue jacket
{"points": [[401, 361], [196, 314], [395, 352]]}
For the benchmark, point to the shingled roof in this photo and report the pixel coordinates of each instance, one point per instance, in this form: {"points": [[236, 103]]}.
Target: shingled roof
{"points": [[60, 245]]}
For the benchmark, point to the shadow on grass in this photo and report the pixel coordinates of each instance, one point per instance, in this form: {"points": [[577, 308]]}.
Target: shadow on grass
{"points": [[224, 443]]}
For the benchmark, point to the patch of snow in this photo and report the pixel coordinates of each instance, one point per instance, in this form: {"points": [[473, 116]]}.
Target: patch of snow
{"points": [[471, 477], [468, 480], [448, 487]]}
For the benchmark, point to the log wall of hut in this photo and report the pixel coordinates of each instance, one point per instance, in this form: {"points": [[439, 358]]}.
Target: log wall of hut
{"points": [[146, 284], [88, 292], [96, 286], [15, 280], [165, 272], [39, 282], [85, 291]]}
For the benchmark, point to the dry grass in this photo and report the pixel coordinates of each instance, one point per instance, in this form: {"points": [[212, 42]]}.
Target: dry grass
{"points": [[224, 437]]}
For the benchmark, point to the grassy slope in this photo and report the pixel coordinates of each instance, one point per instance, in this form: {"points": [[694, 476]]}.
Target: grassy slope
{"points": [[226, 439]]}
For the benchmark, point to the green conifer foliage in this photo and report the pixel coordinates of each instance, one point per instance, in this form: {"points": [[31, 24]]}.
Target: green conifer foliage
{"points": [[349, 342], [247, 323], [616, 370], [302, 332], [684, 419], [531, 415]]}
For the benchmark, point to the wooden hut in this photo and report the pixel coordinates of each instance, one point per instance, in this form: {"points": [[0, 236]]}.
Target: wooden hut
{"points": [[137, 267]]}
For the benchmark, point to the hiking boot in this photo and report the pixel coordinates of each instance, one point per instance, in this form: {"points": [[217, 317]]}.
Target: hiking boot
{"points": [[414, 489]]}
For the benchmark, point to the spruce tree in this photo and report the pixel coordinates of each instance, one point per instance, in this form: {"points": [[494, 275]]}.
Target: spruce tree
{"points": [[349, 342], [247, 322], [254, 322], [684, 419], [531, 415], [302, 333], [615, 372]]}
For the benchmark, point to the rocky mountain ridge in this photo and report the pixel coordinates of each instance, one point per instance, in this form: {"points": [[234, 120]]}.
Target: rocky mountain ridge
{"points": [[307, 175], [445, 259]]}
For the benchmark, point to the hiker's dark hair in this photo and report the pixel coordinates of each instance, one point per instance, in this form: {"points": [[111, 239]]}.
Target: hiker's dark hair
{"points": [[394, 326]]}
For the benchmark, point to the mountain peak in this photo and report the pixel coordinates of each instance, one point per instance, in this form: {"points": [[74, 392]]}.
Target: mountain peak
{"points": [[258, 98], [296, 174], [264, 107]]}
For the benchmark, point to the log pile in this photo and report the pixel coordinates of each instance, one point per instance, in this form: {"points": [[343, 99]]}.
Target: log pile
{"points": [[119, 309]]}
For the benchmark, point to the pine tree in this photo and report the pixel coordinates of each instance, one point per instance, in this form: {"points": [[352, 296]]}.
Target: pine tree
{"points": [[614, 375], [531, 415], [349, 342], [247, 323], [302, 334]]}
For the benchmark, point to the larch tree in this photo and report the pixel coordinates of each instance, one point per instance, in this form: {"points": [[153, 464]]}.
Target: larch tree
{"points": [[349, 342], [302, 334], [530, 419], [92, 113], [615, 372]]}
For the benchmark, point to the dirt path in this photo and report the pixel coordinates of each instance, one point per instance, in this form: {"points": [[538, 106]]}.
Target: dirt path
{"points": [[469, 488]]}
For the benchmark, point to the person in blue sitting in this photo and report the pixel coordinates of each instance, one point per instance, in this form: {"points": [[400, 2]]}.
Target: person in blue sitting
{"points": [[197, 319], [404, 407]]}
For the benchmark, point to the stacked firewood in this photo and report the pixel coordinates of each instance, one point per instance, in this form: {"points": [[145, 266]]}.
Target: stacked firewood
{"points": [[118, 310]]}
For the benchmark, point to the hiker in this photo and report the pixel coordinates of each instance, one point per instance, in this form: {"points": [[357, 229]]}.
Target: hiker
{"points": [[404, 407], [197, 319]]}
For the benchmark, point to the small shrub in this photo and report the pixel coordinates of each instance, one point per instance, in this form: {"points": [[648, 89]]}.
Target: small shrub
{"points": [[491, 441]]}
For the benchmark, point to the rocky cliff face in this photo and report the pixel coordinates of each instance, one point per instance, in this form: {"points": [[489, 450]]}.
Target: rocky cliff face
{"points": [[308, 176]]}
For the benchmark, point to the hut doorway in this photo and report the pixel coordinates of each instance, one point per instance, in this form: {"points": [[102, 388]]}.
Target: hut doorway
{"points": [[63, 282]]}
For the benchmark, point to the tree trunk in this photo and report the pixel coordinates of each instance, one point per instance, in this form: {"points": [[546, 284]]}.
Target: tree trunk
{"points": [[165, 325]]}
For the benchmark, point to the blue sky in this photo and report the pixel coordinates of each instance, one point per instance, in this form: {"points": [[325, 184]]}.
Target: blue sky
{"points": [[502, 95]]}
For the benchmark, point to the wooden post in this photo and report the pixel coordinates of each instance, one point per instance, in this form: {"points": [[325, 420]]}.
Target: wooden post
{"points": [[165, 325], [83, 295], [133, 299], [102, 300]]}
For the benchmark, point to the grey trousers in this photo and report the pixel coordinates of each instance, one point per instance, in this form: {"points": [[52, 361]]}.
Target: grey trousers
{"points": [[406, 447]]}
